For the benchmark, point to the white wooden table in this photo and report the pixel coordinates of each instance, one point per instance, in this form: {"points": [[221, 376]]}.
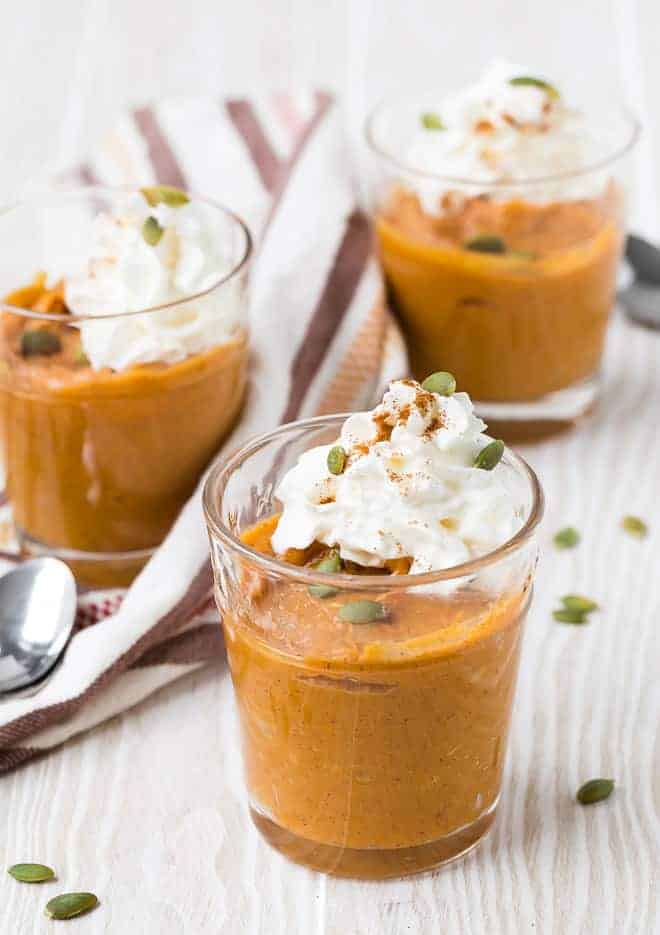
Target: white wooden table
{"points": [[148, 810]]}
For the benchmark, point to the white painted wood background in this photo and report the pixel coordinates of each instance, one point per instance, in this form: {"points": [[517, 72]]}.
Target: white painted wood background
{"points": [[148, 810]]}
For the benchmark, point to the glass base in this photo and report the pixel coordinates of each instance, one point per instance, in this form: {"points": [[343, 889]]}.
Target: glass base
{"points": [[549, 415], [373, 863], [91, 569]]}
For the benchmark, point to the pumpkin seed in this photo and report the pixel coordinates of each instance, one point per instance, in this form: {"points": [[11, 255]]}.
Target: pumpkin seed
{"points": [[442, 383], [485, 243], [329, 565], [570, 616], [336, 460], [527, 81], [566, 538], [490, 456], [363, 612], [70, 905], [31, 873], [595, 790], [635, 526], [432, 121], [38, 342], [579, 603], [165, 194], [152, 231]]}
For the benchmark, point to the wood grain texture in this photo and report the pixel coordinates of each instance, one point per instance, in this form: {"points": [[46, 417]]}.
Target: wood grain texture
{"points": [[148, 811]]}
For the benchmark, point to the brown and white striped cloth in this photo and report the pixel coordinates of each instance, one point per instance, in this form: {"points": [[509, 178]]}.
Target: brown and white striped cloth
{"points": [[322, 339]]}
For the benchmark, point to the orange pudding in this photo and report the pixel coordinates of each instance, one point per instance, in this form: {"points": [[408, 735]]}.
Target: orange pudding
{"points": [[100, 461], [372, 750], [511, 326], [373, 597]]}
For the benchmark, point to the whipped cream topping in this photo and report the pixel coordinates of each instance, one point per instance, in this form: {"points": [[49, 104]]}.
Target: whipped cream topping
{"points": [[499, 132], [124, 273], [408, 490]]}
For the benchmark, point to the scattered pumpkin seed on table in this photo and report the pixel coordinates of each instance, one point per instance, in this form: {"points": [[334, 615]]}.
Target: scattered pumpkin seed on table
{"points": [[635, 526], [566, 538], [575, 609], [595, 790], [70, 905], [31, 873]]}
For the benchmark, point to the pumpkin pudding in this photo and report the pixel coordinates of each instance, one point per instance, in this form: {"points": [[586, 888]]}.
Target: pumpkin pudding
{"points": [[499, 224], [108, 420], [373, 631]]}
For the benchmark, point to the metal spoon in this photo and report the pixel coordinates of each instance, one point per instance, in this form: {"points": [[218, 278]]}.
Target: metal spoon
{"points": [[641, 298], [37, 612]]}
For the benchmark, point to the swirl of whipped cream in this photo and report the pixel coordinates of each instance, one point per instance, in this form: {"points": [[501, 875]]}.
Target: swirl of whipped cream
{"points": [[124, 273], [409, 488], [500, 132]]}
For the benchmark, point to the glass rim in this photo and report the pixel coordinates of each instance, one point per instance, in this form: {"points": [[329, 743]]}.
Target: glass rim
{"points": [[91, 191], [225, 465], [633, 123]]}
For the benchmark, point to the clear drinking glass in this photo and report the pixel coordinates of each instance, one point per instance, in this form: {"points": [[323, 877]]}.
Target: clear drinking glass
{"points": [[523, 330], [99, 462], [371, 749]]}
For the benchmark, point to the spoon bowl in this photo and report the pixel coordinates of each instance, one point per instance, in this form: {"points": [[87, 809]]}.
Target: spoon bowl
{"points": [[37, 613]]}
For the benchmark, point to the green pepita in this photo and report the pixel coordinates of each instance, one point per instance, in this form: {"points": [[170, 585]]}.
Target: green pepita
{"points": [[70, 905], [165, 194], [528, 81], [362, 612], [595, 790], [336, 460], [570, 616], [566, 538], [485, 243], [579, 603], [329, 565], [39, 342], [31, 873], [635, 526], [152, 231], [442, 383], [490, 456], [432, 121]]}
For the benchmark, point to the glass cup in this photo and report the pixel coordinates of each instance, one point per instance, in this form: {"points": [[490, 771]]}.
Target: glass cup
{"points": [[99, 462], [507, 285], [372, 748]]}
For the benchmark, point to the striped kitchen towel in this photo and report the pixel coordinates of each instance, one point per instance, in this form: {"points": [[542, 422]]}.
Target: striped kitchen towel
{"points": [[322, 341]]}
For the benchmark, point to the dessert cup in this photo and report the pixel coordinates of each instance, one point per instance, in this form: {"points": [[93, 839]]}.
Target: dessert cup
{"points": [[523, 327], [99, 461], [371, 749]]}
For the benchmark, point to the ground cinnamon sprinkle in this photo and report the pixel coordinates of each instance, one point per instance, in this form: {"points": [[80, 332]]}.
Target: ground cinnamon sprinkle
{"points": [[386, 421]]}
